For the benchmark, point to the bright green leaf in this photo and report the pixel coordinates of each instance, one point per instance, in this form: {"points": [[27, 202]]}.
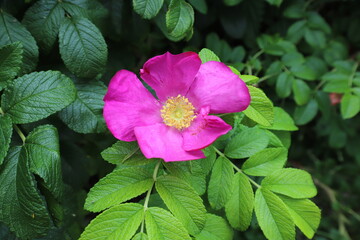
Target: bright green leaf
{"points": [[291, 182], [246, 143], [82, 47], [260, 109], [85, 114], [117, 187], [125, 152], [207, 55], [160, 224], [240, 206], [147, 8], [350, 105], [282, 121], [249, 79], [273, 216], [337, 82], [191, 172], [183, 202], [12, 31], [220, 184], [119, 222], [5, 135], [140, 236], [305, 214], [179, 18], [265, 162], [10, 62], [37, 95], [216, 228]]}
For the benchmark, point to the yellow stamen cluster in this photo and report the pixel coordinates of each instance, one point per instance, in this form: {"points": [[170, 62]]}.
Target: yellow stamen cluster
{"points": [[178, 112]]}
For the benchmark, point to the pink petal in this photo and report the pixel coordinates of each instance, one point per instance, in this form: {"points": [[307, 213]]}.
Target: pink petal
{"points": [[128, 104], [161, 141], [219, 88], [170, 75], [204, 130]]}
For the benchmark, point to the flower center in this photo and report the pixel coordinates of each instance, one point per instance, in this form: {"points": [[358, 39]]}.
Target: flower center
{"points": [[178, 112]]}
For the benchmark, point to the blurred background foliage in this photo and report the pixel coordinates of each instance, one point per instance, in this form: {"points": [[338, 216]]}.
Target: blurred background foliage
{"points": [[306, 54]]}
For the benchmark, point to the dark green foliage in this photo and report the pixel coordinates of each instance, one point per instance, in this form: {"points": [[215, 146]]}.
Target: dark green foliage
{"points": [[300, 60]]}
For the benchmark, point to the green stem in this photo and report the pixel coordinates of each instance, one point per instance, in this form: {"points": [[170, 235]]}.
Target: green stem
{"points": [[266, 77], [147, 198], [258, 54], [236, 168], [19, 132], [1, 111]]}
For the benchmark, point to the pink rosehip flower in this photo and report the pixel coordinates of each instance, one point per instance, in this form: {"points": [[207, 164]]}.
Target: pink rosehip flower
{"points": [[176, 125]]}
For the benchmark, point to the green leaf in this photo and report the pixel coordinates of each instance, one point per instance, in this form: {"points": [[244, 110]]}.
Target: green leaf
{"points": [[82, 47], [249, 79], [265, 162], [42, 151], [232, 2], [37, 95], [304, 71], [85, 114], [208, 162], [302, 92], [147, 8], [216, 228], [315, 38], [10, 62], [12, 31], [295, 11], [126, 153], [183, 202], [220, 183], [275, 2], [283, 84], [207, 55], [199, 5], [291, 182], [316, 21], [248, 142], [5, 135], [240, 206], [23, 209], [260, 109], [273, 216], [282, 121], [43, 20], [160, 224], [179, 18], [306, 113], [119, 222], [350, 105], [191, 172], [337, 82], [140, 236], [296, 31], [292, 58], [117, 187], [305, 214]]}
